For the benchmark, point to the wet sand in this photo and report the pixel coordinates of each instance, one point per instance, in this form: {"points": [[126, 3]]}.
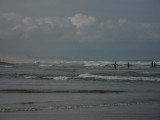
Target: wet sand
{"points": [[134, 112], [79, 106]]}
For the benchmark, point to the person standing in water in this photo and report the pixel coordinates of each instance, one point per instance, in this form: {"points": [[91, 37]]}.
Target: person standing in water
{"points": [[115, 65], [153, 64], [128, 65]]}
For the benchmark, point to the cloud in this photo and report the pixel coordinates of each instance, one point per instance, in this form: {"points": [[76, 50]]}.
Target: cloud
{"points": [[80, 20], [62, 28], [15, 24], [39, 21], [122, 21], [107, 24], [154, 35], [28, 25], [124, 30], [48, 20], [112, 24], [16, 27], [27, 20], [146, 26], [9, 16]]}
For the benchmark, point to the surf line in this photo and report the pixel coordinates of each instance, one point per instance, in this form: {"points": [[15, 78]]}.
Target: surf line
{"points": [[153, 64]]}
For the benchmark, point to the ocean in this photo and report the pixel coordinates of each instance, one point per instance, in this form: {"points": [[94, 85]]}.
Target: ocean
{"points": [[91, 90]]}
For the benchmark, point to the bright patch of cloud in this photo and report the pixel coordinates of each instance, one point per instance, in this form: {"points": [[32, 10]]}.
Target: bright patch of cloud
{"points": [[27, 20], [48, 20], [80, 20], [122, 21], [9, 16], [25, 26]]}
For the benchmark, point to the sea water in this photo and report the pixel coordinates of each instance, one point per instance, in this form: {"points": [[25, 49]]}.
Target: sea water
{"points": [[68, 85]]}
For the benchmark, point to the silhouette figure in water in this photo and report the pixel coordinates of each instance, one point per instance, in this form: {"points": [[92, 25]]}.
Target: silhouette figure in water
{"points": [[128, 65], [153, 64], [115, 65]]}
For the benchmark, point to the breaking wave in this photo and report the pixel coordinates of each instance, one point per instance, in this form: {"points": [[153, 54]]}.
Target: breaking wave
{"points": [[45, 65], [120, 78], [87, 76]]}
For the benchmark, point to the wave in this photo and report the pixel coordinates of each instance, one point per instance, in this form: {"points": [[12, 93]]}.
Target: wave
{"points": [[29, 77], [120, 78], [148, 77], [94, 63], [78, 106], [59, 91], [119, 63], [97, 63], [45, 65], [60, 78], [46, 77]]}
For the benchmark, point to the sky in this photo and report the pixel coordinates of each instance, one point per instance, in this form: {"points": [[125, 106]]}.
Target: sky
{"points": [[109, 29]]}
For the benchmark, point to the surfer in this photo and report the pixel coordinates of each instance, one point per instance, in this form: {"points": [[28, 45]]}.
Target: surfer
{"points": [[153, 64], [128, 65], [115, 65]]}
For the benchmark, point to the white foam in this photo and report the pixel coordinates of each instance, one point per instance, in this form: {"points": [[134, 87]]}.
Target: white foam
{"points": [[29, 77], [87, 75], [48, 77], [61, 78], [45, 65], [56, 78]]}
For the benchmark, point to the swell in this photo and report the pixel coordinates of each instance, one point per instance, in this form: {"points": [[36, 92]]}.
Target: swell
{"points": [[59, 91]]}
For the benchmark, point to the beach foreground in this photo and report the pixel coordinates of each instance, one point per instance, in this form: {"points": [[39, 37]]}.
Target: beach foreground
{"points": [[134, 112]]}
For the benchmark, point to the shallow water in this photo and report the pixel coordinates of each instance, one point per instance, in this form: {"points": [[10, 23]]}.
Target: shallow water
{"points": [[72, 86]]}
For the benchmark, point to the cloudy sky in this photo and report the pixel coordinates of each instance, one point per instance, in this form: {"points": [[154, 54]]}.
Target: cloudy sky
{"points": [[110, 29]]}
